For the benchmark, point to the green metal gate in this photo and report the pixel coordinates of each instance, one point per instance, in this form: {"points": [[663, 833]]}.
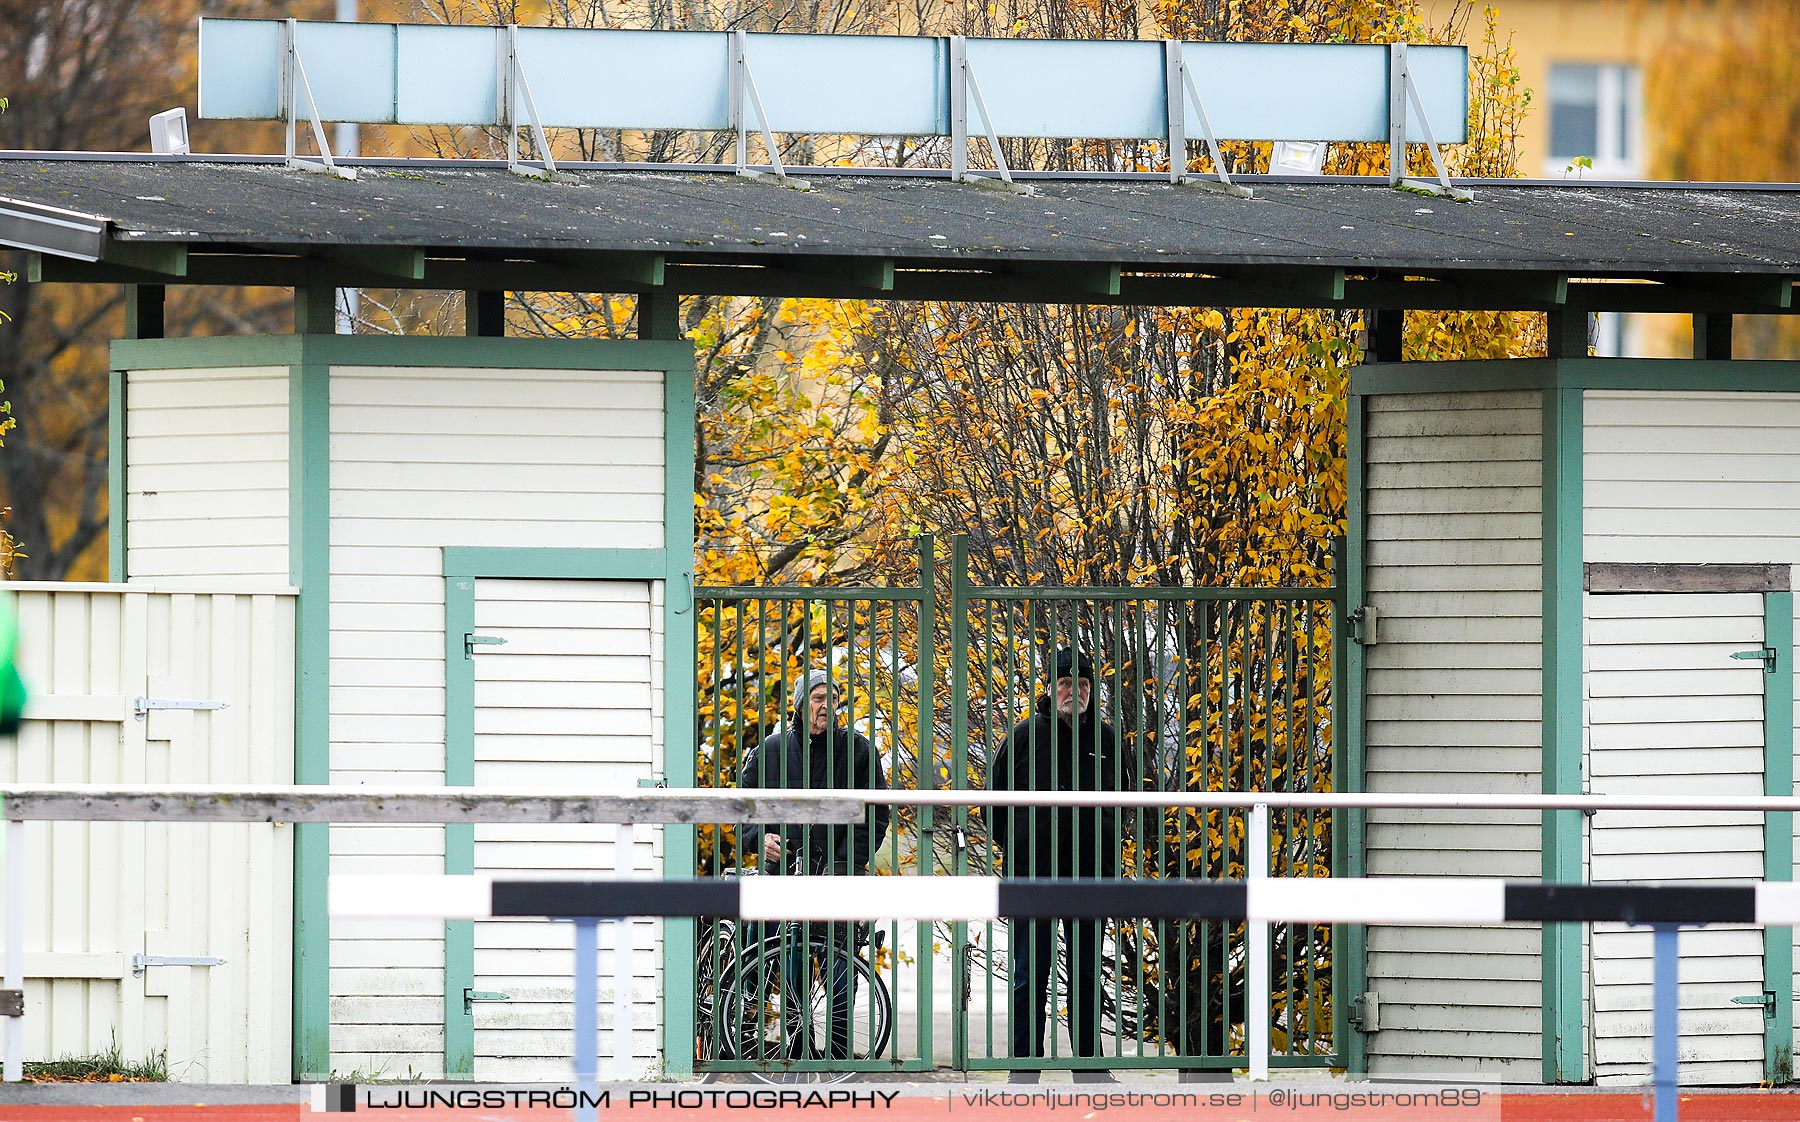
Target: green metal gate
{"points": [[761, 1000], [1206, 690]]}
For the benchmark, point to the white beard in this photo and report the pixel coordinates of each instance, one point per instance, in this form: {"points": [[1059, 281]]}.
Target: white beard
{"points": [[1074, 706]]}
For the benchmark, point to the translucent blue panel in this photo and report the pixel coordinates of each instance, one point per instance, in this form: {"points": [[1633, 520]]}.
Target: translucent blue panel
{"points": [[627, 79], [350, 67], [1067, 88], [447, 75], [1442, 76], [859, 85], [240, 69], [1305, 91], [865, 85]]}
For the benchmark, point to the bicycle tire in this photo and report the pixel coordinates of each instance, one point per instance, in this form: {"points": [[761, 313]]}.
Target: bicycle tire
{"points": [[757, 1020]]}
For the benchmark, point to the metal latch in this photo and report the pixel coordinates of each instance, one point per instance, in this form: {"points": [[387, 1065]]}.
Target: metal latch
{"points": [[142, 705], [1766, 999], [471, 996], [12, 1003], [1766, 655], [472, 640], [1365, 1013], [140, 962], [1363, 623]]}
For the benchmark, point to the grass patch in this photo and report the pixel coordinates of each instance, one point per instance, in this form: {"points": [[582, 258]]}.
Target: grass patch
{"points": [[101, 1067]]}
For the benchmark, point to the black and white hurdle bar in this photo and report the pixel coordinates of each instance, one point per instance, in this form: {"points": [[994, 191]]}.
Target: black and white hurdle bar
{"points": [[1258, 901], [1405, 901]]}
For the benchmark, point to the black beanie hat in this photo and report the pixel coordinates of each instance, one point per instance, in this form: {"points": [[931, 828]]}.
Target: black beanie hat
{"points": [[1069, 663]]}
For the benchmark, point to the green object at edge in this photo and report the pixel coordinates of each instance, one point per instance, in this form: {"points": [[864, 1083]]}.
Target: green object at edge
{"points": [[12, 688]]}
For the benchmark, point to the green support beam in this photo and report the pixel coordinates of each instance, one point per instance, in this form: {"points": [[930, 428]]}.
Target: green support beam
{"points": [[459, 839], [1778, 831], [1563, 417], [309, 565], [398, 263], [1350, 965]]}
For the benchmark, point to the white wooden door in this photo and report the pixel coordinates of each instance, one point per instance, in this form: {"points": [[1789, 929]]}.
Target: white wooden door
{"points": [[565, 701], [109, 903], [1671, 712]]}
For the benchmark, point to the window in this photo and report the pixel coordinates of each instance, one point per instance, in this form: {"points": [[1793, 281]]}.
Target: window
{"points": [[1596, 112]]}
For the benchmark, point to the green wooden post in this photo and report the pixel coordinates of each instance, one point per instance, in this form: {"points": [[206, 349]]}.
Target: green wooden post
{"points": [[309, 564], [1564, 1037], [459, 838], [959, 781], [1778, 831], [926, 774]]}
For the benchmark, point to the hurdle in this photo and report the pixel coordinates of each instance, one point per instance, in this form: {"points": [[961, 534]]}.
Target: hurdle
{"points": [[1259, 901]]}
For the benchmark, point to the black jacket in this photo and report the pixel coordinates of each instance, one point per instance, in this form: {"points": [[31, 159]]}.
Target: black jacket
{"points": [[1047, 753], [836, 759]]}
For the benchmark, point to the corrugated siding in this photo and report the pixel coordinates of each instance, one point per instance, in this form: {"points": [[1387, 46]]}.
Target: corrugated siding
{"points": [[208, 451], [1694, 477], [97, 894], [1669, 711], [1454, 685], [565, 702], [422, 459]]}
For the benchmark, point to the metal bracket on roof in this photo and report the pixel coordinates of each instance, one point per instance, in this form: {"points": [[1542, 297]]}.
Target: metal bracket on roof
{"points": [[293, 83], [514, 88], [1182, 93], [963, 86], [1401, 90], [744, 97]]}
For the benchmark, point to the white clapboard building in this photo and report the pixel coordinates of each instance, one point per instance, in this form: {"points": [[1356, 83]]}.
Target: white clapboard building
{"points": [[1578, 577], [496, 526]]}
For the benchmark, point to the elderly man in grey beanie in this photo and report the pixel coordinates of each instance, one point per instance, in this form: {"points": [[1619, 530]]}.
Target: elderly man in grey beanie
{"points": [[1062, 745], [814, 752]]}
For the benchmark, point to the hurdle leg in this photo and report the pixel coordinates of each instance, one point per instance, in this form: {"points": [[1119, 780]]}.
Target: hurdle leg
{"points": [[1257, 1011], [625, 860], [587, 1017], [1665, 1003]]}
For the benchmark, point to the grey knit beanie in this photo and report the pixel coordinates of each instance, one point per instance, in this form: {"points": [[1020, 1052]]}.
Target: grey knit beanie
{"points": [[803, 686]]}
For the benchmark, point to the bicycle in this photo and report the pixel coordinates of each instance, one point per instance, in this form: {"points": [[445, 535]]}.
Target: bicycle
{"points": [[749, 1007]]}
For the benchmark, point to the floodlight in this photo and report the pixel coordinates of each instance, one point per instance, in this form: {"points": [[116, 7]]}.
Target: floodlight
{"points": [[169, 133], [1297, 157]]}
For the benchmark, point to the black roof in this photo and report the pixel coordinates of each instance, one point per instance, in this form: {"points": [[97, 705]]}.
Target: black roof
{"points": [[474, 225]]}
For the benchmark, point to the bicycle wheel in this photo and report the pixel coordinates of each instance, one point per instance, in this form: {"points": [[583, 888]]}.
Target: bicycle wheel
{"points": [[761, 1018]]}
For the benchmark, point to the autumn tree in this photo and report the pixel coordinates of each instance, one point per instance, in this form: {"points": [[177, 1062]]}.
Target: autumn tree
{"points": [[86, 76], [1727, 104]]}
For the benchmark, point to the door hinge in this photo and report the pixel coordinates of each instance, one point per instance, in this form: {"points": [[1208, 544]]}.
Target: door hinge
{"points": [[1365, 1013], [12, 1003], [1363, 629], [140, 706], [471, 996], [1766, 655], [142, 962], [472, 640], [1766, 999]]}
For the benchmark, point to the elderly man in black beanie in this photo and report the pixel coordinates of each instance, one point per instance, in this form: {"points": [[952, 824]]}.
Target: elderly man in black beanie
{"points": [[814, 752], [1061, 746]]}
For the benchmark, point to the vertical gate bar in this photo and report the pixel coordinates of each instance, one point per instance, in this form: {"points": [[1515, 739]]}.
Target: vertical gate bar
{"points": [[587, 1016], [1295, 844], [1256, 1011], [959, 780], [1665, 1028], [1181, 970], [925, 705]]}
